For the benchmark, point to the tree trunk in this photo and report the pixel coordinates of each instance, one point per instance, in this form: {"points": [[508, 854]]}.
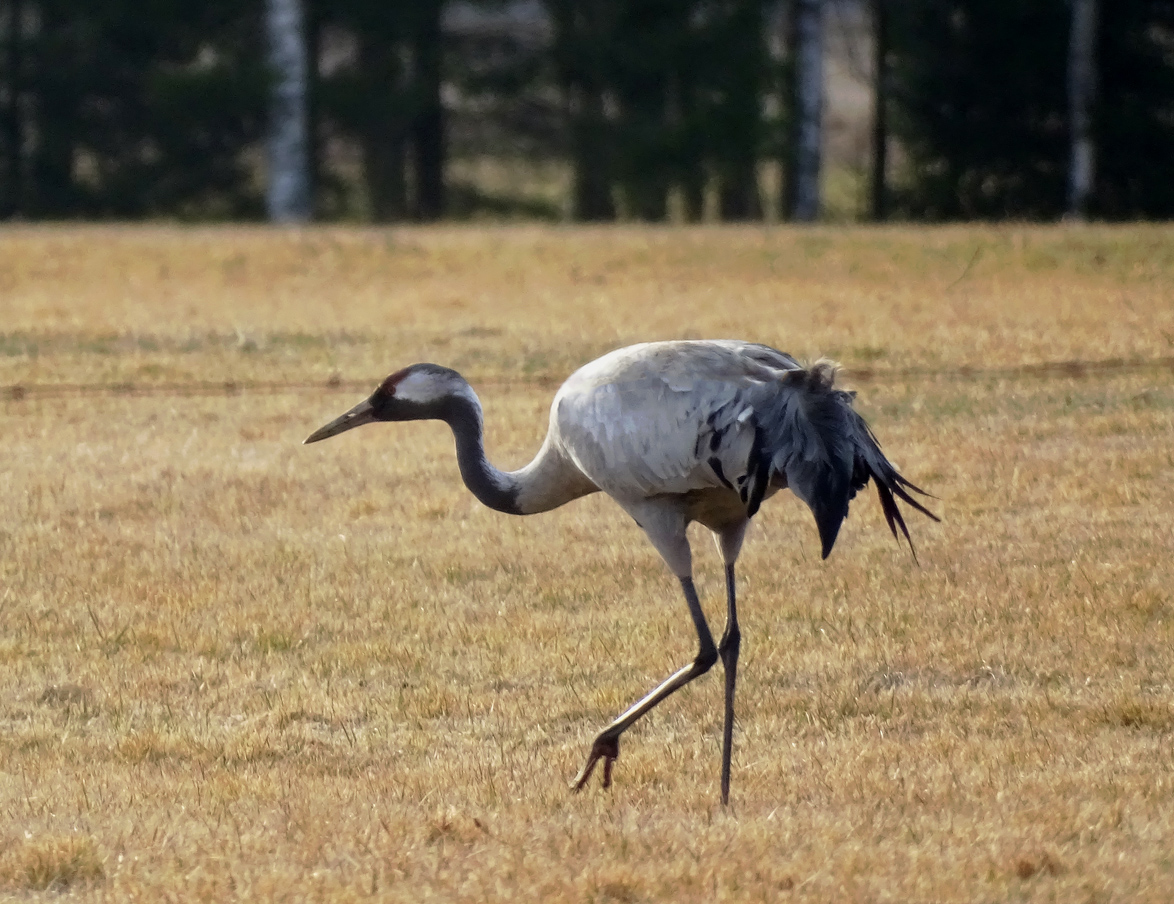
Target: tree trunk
{"points": [[288, 196], [1081, 92], [880, 103], [313, 39], [740, 82], [808, 107], [592, 200], [738, 195], [788, 104], [693, 195], [50, 119], [642, 124], [428, 120], [383, 132], [12, 171], [579, 42]]}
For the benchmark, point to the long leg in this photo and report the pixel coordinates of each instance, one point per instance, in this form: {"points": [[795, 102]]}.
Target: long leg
{"points": [[607, 744], [728, 650]]}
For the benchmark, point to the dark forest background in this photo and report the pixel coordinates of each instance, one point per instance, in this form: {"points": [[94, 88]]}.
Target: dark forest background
{"points": [[591, 110]]}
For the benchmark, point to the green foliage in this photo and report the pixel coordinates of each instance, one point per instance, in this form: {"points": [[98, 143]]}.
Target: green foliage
{"points": [[1135, 122], [980, 89], [135, 109], [981, 108], [673, 92], [381, 98], [158, 108]]}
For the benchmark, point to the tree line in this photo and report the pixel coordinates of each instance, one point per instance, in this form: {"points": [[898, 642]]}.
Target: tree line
{"points": [[657, 109]]}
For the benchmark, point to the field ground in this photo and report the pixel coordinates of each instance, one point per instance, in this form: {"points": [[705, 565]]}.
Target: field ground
{"points": [[234, 667]]}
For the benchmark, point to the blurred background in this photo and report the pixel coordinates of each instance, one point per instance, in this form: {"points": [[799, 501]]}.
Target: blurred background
{"points": [[586, 110]]}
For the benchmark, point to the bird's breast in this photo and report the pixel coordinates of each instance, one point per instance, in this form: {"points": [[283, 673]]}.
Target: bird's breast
{"points": [[716, 508]]}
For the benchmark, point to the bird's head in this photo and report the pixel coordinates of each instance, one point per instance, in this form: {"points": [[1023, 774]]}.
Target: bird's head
{"points": [[416, 393]]}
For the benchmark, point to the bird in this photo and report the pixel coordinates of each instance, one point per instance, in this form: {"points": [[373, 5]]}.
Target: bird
{"points": [[675, 432]]}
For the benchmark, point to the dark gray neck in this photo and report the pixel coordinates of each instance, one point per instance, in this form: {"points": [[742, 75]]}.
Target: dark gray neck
{"points": [[491, 486]]}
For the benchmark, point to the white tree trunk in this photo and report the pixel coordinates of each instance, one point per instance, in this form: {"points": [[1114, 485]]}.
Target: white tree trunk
{"points": [[288, 194], [808, 107], [880, 111], [1081, 91]]}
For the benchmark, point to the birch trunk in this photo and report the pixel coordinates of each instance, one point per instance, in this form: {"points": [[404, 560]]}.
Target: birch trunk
{"points": [[1081, 91], [880, 105], [288, 196], [808, 107]]}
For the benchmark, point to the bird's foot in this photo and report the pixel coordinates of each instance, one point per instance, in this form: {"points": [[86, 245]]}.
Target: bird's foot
{"points": [[604, 748]]}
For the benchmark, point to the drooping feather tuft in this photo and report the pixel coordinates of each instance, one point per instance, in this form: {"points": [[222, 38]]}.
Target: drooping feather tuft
{"points": [[826, 453]]}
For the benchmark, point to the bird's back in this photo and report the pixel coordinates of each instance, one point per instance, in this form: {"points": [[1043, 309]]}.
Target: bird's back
{"points": [[681, 363], [732, 421], [654, 418]]}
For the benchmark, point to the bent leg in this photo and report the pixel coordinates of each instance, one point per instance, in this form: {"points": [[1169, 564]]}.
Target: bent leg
{"points": [[607, 744]]}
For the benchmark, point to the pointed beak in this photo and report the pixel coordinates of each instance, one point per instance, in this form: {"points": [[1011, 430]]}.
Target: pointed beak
{"points": [[363, 413]]}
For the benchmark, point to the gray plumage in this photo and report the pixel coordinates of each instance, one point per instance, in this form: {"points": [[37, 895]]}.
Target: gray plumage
{"points": [[674, 432]]}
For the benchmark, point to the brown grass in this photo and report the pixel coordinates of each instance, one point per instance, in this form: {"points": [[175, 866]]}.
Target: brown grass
{"points": [[233, 667]]}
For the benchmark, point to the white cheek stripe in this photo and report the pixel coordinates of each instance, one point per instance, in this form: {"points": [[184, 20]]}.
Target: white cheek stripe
{"points": [[419, 388], [429, 388]]}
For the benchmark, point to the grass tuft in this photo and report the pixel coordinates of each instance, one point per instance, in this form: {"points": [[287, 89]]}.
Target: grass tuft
{"points": [[54, 863]]}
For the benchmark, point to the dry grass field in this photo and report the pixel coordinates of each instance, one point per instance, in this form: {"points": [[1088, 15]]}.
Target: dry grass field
{"points": [[237, 668]]}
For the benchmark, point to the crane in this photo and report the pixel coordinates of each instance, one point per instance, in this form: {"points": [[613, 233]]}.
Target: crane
{"points": [[674, 432]]}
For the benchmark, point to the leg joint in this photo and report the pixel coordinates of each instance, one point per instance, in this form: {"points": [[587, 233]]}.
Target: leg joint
{"points": [[706, 657]]}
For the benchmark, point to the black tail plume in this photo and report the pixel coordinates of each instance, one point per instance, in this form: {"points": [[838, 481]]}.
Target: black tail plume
{"points": [[826, 453], [871, 464]]}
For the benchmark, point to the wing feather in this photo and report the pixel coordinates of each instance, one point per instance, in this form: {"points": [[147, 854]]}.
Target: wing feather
{"points": [[644, 437], [674, 417]]}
